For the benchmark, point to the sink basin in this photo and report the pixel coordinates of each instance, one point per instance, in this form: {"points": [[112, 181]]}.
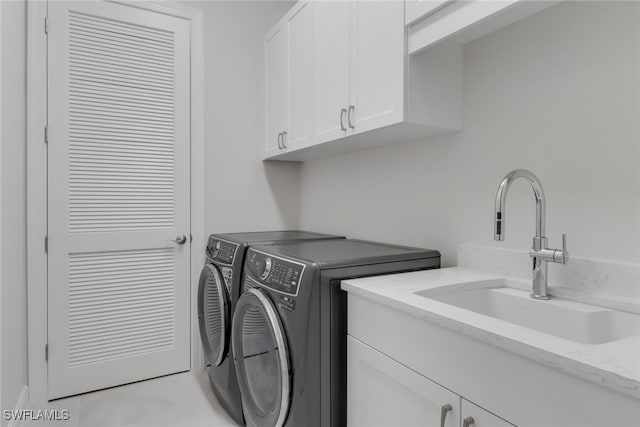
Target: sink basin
{"points": [[582, 323]]}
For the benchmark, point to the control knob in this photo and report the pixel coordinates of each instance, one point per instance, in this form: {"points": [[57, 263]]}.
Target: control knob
{"points": [[265, 268], [216, 249]]}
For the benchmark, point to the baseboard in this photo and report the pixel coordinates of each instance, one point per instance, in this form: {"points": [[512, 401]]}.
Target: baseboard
{"points": [[21, 404]]}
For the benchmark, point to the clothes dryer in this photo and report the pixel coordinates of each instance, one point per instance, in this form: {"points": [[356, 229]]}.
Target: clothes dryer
{"points": [[289, 332]]}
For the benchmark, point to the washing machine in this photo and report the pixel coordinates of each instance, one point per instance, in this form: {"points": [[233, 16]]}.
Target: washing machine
{"points": [[289, 333], [218, 291]]}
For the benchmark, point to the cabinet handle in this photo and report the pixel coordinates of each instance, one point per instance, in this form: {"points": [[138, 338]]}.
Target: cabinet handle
{"points": [[443, 413], [279, 136], [469, 421], [350, 115], [343, 112], [284, 139]]}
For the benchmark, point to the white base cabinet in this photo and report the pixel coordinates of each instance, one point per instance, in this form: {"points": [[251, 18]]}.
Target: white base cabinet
{"points": [[403, 367], [383, 392]]}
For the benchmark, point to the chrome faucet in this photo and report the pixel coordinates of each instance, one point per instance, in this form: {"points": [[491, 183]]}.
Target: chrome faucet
{"points": [[539, 252]]}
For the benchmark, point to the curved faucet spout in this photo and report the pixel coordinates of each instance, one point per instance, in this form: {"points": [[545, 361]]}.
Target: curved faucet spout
{"points": [[501, 197]]}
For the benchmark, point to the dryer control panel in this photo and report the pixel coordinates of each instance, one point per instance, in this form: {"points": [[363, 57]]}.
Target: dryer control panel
{"points": [[221, 250], [275, 273]]}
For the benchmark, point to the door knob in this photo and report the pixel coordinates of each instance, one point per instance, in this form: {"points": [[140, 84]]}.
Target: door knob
{"points": [[180, 239]]}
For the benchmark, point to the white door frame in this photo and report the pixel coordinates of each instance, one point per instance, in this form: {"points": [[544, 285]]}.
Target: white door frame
{"points": [[37, 182]]}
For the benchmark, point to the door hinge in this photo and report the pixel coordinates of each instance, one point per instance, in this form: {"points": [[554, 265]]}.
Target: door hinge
{"points": [[46, 243], [46, 134], [46, 25], [46, 352]]}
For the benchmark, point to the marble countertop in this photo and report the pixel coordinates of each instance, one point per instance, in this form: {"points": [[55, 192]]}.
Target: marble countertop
{"points": [[615, 365]]}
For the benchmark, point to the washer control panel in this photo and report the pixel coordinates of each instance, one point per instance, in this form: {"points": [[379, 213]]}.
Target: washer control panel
{"points": [[220, 250], [276, 273]]}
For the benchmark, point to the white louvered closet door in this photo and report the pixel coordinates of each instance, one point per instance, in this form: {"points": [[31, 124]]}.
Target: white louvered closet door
{"points": [[118, 191]]}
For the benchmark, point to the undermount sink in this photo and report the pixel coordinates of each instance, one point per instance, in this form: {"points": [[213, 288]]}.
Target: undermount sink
{"points": [[574, 321]]}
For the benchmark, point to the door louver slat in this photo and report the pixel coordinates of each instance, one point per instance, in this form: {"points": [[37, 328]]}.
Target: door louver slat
{"points": [[93, 271], [95, 159]]}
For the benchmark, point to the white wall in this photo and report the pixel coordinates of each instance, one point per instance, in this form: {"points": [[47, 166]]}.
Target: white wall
{"points": [[13, 264], [243, 193], [557, 93]]}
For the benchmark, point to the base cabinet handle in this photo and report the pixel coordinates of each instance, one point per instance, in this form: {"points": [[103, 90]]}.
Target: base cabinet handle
{"points": [[443, 413], [468, 422]]}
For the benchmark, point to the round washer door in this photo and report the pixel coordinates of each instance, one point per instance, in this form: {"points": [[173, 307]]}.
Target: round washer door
{"points": [[213, 315], [262, 360]]}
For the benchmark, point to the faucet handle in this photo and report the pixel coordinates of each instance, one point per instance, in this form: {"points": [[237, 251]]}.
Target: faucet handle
{"points": [[562, 256]]}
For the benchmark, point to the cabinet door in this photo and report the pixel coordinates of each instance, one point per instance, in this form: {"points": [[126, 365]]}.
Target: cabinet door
{"points": [[331, 66], [475, 416], [416, 9], [383, 392], [276, 87], [300, 50], [377, 64]]}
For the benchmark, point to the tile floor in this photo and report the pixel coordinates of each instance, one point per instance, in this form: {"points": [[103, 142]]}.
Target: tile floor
{"points": [[183, 400]]}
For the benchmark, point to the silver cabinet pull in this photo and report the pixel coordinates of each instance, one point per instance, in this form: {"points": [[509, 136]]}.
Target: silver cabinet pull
{"points": [[352, 109], [284, 139], [343, 112], [443, 413], [279, 141], [469, 421], [180, 239]]}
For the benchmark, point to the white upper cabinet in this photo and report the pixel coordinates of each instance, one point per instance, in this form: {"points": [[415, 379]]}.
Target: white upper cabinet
{"points": [[289, 81], [332, 69], [348, 75], [366, 90], [359, 51], [276, 89]]}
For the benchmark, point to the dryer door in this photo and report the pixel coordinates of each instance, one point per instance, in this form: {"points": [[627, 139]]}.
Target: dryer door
{"points": [[262, 360], [213, 314]]}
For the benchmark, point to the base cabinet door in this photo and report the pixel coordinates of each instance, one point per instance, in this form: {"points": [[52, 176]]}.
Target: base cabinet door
{"points": [[383, 392], [475, 416]]}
